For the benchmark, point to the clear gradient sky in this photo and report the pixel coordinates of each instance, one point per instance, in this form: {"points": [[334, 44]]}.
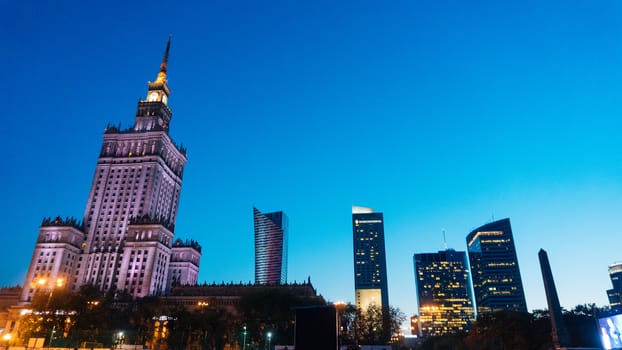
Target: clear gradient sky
{"points": [[441, 114]]}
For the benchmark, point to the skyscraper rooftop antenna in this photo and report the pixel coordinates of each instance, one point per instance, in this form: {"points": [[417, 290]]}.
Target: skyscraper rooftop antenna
{"points": [[444, 238]]}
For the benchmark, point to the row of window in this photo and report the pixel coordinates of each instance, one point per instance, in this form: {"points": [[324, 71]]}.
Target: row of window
{"points": [[47, 254], [125, 170]]}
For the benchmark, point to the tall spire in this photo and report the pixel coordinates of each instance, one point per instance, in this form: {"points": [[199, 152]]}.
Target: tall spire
{"points": [[164, 65], [153, 112]]}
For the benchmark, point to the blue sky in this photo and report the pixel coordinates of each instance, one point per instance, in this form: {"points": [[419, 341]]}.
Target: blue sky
{"points": [[441, 114]]}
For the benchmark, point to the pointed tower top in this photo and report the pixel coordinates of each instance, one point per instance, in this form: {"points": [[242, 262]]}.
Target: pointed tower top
{"points": [[164, 65], [151, 115]]}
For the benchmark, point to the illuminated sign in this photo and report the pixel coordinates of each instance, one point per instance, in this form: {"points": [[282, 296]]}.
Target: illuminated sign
{"points": [[368, 222]]}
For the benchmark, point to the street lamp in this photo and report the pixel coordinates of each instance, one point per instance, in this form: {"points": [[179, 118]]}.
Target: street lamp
{"points": [[42, 282], [244, 341], [340, 308], [202, 305], [120, 339], [269, 338], [7, 339], [52, 335], [59, 283]]}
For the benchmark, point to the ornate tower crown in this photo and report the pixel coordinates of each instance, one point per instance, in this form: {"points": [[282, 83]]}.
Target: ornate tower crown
{"points": [[158, 90], [153, 112]]}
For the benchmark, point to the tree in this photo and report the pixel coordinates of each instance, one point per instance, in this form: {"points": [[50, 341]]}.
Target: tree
{"points": [[182, 330], [374, 326], [49, 313], [503, 330], [581, 325], [142, 316], [509, 330], [272, 311], [95, 318], [446, 342]]}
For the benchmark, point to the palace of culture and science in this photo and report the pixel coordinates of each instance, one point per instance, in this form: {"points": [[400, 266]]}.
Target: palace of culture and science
{"points": [[126, 241]]}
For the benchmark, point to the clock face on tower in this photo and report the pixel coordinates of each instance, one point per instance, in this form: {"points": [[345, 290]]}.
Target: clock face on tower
{"points": [[153, 97]]}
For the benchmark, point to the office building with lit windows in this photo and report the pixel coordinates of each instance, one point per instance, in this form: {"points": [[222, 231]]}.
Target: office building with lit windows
{"points": [[443, 293], [497, 282], [125, 241], [270, 247], [615, 294], [370, 267]]}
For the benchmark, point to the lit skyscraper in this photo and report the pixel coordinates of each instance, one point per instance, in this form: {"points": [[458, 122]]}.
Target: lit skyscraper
{"points": [[443, 293], [615, 293], [494, 268], [370, 267], [125, 241], [270, 247]]}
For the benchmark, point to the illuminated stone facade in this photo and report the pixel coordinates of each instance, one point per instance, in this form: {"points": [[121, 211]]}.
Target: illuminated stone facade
{"points": [[56, 258], [496, 276], [370, 266], [184, 266], [125, 241], [443, 293], [270, 247]]}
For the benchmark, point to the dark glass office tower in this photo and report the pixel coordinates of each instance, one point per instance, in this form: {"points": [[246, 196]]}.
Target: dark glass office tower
{"points": [[615, 294], [270, 247], [370, 267], [443, 293], [494, 268]]}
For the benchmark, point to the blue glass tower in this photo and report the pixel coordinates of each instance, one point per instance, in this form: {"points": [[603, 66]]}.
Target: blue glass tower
{"points": [[494, 268], [270, 247]]}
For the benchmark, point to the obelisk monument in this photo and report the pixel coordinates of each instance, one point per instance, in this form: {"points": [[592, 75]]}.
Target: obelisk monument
{"points": [[558, 331]]}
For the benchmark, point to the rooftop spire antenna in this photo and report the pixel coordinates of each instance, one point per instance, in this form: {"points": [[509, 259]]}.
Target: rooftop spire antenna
{"points": [[444, 238], [164, 65]]}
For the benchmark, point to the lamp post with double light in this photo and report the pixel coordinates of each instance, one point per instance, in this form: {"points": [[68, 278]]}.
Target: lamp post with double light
{"points": [[51, 287], [202, 305], [42, 282]]}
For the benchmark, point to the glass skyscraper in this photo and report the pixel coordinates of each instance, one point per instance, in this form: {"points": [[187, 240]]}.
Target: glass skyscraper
{"points": [[370, 266], [615, 294], [270, 247], [443, 293], [494, 268]]}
